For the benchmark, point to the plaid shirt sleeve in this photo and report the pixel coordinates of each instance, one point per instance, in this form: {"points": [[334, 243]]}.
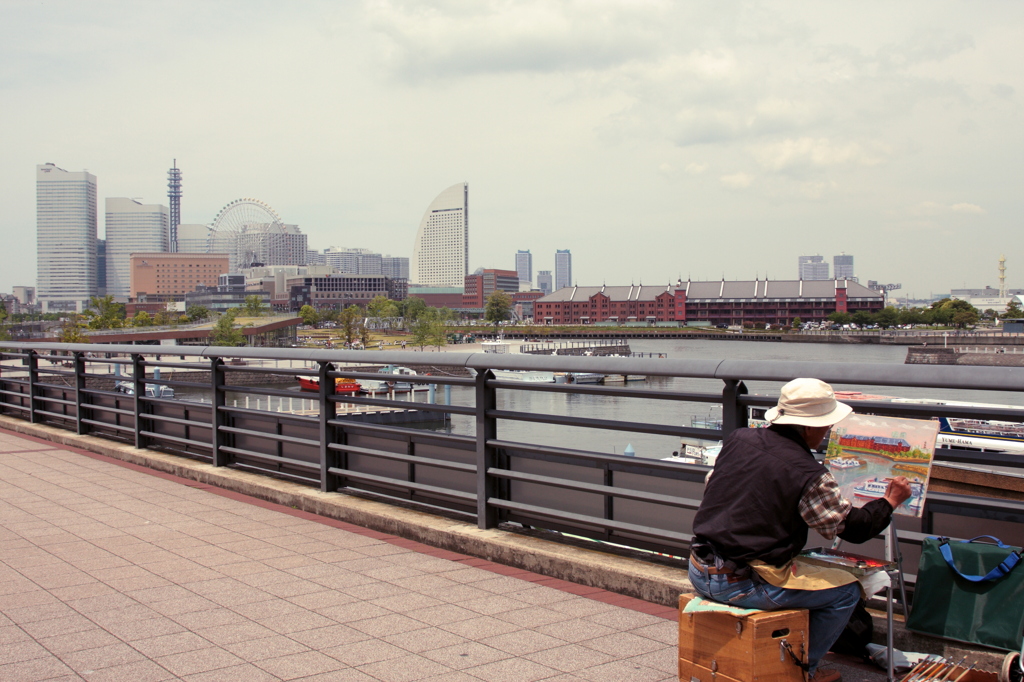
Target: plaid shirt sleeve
{"points": [[824, 508]]}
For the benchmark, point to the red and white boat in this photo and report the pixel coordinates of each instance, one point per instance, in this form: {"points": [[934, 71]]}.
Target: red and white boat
{"points": [[341, 384]]}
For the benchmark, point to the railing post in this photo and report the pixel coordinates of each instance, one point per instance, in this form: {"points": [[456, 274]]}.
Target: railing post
{"points": [[328, 411], [33, 379], [486, 429], [734, 415], [139, 380], [80, 427], [217, 416]]}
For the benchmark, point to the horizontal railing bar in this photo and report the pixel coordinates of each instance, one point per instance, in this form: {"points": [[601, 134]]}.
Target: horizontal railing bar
{"points": [[399, 483], [398, 433], [267, 415], [607, 424], [591, 520], [103, 408], [294, 440], [272, 459], [174, 439], [608, 490], [174, 420], [304, 480], [107, 425], [176, 384], [641, 465], [285, 372], [47, 371], [12, 406], [198, 366], [402, 457], [60, 401], [257, 390], [15, 393], [611, 391]]}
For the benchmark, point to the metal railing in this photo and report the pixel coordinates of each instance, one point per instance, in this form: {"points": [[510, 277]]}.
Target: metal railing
{"points": [[484, 477]]}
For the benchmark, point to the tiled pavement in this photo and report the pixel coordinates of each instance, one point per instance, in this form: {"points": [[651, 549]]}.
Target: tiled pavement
{"points": [[113, 572]]}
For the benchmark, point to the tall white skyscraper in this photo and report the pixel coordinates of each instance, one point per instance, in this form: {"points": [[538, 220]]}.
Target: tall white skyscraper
{"points": [[563, 269], [842, 266], [440, 255], [812, 267], [132, 227], [524, 266], [65, 238]]}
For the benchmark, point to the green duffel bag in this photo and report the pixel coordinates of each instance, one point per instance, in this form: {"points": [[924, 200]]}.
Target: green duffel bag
{"points": [[970, 591]]}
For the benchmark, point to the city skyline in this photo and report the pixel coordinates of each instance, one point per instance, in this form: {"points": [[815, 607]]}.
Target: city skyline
{"points": [[719, 137]]}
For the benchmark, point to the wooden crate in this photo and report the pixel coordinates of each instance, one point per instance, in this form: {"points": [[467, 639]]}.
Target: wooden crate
{"points": [[727, 648]]}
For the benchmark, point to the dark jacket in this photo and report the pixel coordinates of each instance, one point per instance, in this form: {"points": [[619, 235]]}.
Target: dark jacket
{"points": [[750, 510]]}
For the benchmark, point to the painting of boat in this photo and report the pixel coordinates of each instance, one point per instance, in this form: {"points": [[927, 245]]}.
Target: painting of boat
{"points": [[845, 463], [341, 384]]}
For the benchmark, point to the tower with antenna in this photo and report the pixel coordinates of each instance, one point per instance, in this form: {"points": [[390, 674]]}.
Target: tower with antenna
{"points": [[1002, 276], [174, 199]]}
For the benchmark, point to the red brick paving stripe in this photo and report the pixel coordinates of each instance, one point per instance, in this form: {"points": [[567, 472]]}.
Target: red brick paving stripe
{"points": [[594, 593]]}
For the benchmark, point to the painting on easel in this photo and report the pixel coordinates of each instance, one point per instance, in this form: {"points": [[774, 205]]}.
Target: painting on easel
{"points": [[865, 452]]}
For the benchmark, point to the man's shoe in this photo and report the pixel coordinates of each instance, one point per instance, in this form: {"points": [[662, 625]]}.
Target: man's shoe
{"points": [[827, 675]]}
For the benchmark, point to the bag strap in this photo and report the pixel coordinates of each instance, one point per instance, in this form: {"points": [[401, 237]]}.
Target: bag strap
{"points": [[1007, 564], [999, 543]]}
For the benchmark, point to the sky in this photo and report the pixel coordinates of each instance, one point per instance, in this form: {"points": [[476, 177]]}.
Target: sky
{"points": [[656, 140]]}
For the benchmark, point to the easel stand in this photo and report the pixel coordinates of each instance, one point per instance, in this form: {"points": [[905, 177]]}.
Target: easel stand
{"points": [[893, 554]]}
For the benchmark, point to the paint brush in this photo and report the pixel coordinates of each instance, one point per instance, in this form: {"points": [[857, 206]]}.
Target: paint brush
{"points": [[930, 671], [953, 669], [962, 676], [934, 674], [919, 669]]}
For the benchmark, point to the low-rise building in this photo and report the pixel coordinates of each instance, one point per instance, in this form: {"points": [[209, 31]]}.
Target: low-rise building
{"points": [[343, 290], [175, 274], [733, 303], [482, 283]]}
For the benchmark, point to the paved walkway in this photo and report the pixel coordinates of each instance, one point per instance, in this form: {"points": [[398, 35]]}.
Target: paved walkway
{"points": [[110, 571]]}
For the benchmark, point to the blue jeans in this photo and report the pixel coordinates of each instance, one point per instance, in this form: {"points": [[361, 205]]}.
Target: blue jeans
{"points": [[829, 609]]}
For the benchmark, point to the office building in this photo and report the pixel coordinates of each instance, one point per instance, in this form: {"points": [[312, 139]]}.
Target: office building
{"points": [[482, 283], [774, 302], [65, 238], [314, 257], [25, 295], [395, 267], [842, 267], [563, 269], [440, 254], [812, 268], [228, 292], [172, 275], [342, 290], [101, 267], [544, 281], [132, 227], [193, 238], [270, 244], [524, 265]]}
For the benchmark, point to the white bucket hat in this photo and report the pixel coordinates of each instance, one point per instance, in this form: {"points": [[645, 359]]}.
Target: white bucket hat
{"points": [[807, 402]]}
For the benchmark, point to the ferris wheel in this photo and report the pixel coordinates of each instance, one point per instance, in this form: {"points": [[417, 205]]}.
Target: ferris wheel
{"points": [[241, 212]]}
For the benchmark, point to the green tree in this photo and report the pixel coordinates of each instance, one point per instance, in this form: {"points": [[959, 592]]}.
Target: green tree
{"points": [[887, 317], [350, 320], [498, 307], [1013, 311], [72, 330], [105, 313], [411, 308], [162, 319], [3, 311], [309, 315], [225, 332], [797, 322], [424, 330], [254, 306], [839, 317], [911, 316], [197, 313], [964, 318], [862, 318], [381, 307], [142, 319]]}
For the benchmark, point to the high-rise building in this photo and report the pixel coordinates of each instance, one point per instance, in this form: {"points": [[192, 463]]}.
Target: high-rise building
{"points": [[132, 227], [544, 281], [65, 238], [270, 244], [314, 257], [101, 267], [174, 201], [193, 238], [563, 269], [524, 265], [440, 254], [842, 266], [812, 267], [395, 267]]}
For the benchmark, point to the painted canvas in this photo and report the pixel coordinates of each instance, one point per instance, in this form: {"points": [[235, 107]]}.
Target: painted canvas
{"points": [[865, 452]]}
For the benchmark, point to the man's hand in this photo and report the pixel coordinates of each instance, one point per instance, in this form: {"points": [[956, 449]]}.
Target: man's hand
{"points": [[898, 492]]}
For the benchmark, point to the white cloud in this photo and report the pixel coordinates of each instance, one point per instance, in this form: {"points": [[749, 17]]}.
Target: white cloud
{"points": [[972, 209], [737, 180], [814, 152], [694, 168]]}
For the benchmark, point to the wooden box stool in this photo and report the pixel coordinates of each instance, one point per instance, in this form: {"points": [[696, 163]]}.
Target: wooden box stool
{"points": [[721, 647]]}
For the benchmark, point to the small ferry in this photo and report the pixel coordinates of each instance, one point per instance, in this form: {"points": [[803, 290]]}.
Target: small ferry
{"points": [[388, 385], [845, 463], [341, 385], [152, 390]]}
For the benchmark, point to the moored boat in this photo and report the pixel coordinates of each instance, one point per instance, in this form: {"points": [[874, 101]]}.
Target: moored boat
{"points": [[341, 384], [845, 463]]}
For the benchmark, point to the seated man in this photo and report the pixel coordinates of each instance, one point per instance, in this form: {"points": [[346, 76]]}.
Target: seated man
{"points": [[766, 490]]}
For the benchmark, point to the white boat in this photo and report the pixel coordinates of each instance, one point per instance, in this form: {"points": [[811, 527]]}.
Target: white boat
{"points": [[875, 488], [387, 385], [585, 378], [845, 463], [152, 390], [527, 375]]}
